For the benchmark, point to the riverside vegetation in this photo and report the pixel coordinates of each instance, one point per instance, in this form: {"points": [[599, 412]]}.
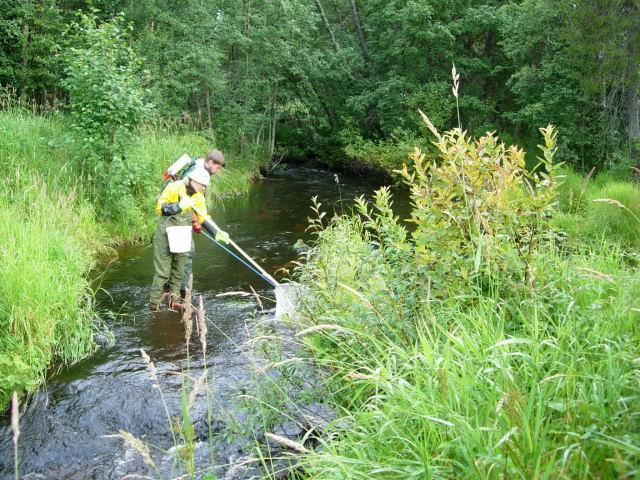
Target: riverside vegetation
{"points": [[56, 229], [341, 81], [496, 337]]}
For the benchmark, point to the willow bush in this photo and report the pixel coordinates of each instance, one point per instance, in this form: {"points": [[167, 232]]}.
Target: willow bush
{"points": [[478, 210]]}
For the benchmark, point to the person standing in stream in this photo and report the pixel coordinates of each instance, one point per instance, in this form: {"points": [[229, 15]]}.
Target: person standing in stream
{"points": [[181, 203], [213, 163]]}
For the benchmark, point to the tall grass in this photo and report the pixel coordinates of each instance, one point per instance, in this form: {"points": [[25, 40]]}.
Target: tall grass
{"points": [[588, 220], [472, 387], [48, 239], [48, 244]]}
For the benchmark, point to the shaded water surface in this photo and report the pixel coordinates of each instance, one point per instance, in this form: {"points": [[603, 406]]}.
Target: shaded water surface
{"points": [[66, 426]]}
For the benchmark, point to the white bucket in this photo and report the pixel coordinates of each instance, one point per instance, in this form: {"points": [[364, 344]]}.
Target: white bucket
{"points": [[179, 239]]}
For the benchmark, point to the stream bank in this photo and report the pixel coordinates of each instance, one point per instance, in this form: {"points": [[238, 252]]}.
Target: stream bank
{"points": [[59, 225], [66, 428]]}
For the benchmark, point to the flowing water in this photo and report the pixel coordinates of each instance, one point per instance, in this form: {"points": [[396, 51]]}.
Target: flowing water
{"points": [[67, 428]]}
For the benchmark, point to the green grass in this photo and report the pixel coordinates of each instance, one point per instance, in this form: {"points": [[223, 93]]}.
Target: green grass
{"points": [[35, 143], [485, 382], [588, 219], [49, 240], [45, 298], [52, 233]]}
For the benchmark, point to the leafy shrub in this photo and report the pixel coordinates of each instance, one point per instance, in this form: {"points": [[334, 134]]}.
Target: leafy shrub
{"points": [[386, 155], [107, 104], [479, 217], [478, 209], [623, 164]]}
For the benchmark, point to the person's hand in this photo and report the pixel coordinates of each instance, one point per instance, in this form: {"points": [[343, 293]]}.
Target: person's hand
{"points": [[186, 203], [196, 227], [222, 236], [168, 209]]}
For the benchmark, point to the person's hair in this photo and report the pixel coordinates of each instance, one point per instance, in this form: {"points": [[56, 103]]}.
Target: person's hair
{"points": [[216, 156]]}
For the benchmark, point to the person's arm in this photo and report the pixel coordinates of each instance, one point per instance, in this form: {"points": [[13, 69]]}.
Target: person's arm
{"points": [[168, 203], [206, 222], [200, 207]]}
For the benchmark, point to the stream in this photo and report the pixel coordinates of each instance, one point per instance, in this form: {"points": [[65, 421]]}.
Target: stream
{"points": [[68, 427]]}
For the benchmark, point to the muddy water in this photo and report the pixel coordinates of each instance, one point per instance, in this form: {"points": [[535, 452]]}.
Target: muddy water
{"points": [[66, 428]]}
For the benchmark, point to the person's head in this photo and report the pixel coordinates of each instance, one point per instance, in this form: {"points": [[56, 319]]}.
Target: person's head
{"points": [[198, 179], [214, 161]]}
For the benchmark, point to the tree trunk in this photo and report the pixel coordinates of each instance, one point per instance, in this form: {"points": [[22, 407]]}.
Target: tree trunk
{"points": [[361, 38], [336, 45], [25, 59], [325, 20], [633, 83], [209, 122], [259, 135], [633, 113], [272, 142], [245, 85], [372, 117], [339, 17], [274, 120], [199, 110]]}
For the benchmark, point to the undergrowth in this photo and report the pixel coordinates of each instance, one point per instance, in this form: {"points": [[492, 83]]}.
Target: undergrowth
{"points": [[485, 342]]}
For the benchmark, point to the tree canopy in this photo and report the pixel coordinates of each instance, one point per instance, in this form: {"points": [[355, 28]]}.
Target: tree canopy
{"points": [[323, 78]]}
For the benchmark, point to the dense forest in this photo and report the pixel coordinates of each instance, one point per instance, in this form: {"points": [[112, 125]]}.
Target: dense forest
{"points": [[340, 80]]}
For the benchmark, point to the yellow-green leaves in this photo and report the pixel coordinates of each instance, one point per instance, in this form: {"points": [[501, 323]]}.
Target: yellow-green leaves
{"points": [[479, 191]]}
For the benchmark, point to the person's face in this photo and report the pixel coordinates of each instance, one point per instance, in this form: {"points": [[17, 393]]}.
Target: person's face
{"points": [[213, 167], [198, 187]]}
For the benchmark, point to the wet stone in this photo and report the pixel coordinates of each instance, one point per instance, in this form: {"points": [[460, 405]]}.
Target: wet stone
{"points": [[317, 416], [290, 430]]}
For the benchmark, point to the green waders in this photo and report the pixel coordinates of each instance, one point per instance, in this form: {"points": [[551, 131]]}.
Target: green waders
{"points": [[169, 267], [188, 267]]}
